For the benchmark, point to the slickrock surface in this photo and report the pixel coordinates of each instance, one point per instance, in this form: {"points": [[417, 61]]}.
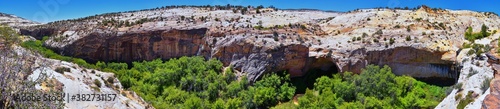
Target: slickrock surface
{"points": [[14, 21], [77, 80]]}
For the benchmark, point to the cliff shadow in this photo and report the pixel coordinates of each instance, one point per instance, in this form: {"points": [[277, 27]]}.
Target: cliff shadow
{"points": [[451, 78]]}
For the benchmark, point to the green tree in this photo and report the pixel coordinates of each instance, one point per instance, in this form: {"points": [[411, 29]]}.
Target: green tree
{"points": [[233, 103], [8, 35], [484, 31], [391, 41], [219, 104]]}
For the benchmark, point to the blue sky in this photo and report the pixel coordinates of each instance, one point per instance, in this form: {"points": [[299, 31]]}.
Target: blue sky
{"points": [[53, 10]]}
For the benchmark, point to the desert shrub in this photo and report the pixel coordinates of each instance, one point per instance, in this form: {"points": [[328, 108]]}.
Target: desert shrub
{"points": [[9, 36], [111, 80], [97, 82], [397, 26], [464, 102], [471, 36], [472, 72], [486, 84], [458, 96], [62, 70], [37, 46], [408, 38], [364, 35], [466, 45], [418, 19]]}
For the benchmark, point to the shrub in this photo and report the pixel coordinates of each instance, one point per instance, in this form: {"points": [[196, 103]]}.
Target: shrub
{"points": [[408, 38], [458, 86], [472, 72], [397, 26], [62, 70], [97, 82], [468, 99], [469, 35], [80, 62], [379, 32], [44, 38], [259, 27], [486, 84], [442, 25], [9, 35], [466, 45], [470, 52], [391, 41], [487, 48], [418, 19], [364, 35], [458, 96], [484, 30], [37, 46], [304, 27], [111, 80]]}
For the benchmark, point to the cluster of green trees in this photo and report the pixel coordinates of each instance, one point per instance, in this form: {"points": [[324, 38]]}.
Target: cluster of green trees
{"points": [[120, 23], [193, 82], [37, 45], [469, 35], [375, 87]]}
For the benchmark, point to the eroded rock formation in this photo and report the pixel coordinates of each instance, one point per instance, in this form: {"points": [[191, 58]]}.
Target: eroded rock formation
{"points": [[492, 100], [275, 40], [128, 47], [253, 59]]}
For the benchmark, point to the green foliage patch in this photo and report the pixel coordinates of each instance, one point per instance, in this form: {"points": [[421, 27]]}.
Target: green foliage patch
{"points": [[375, 87], [469, 35], [193, 82], [37, 45]]}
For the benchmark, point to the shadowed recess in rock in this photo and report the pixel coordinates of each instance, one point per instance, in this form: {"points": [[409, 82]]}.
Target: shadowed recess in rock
{"points": [[318, 68], [451, 78]]}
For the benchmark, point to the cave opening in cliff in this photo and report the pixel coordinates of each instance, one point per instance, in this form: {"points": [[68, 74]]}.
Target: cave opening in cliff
{"points": [[450, 79], [317, 68]]}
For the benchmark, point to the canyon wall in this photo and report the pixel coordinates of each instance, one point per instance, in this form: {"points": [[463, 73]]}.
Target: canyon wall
{"points": [[128, 47], [415, 62], [254, 59]]}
